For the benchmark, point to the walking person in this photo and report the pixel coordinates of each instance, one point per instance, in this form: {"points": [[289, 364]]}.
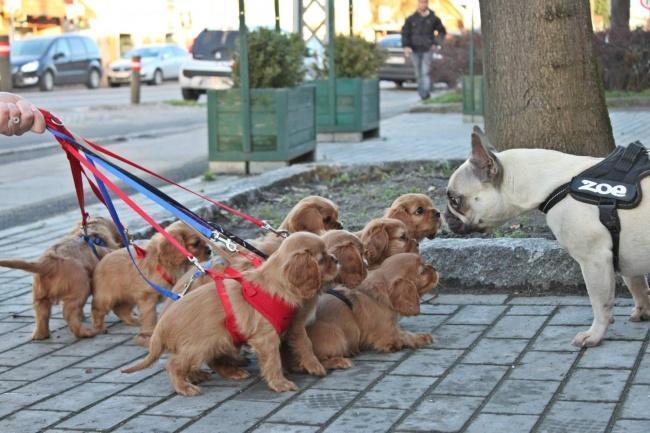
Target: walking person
{"points": [[422, 33]]}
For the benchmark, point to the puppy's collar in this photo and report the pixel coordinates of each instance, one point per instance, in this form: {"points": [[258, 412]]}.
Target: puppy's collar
{"points": [[93, 242], [141, 253], [340, 295]]}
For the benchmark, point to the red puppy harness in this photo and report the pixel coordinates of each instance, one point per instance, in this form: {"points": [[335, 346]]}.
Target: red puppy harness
{"points": [[141, 253], [278, 312]]}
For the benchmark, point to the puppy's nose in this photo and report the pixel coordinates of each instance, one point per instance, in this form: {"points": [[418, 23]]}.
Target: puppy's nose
{"points": [[436, 214], [339, 226], [208, 251]]}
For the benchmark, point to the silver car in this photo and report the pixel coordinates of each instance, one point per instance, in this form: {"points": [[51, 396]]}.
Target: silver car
{"points": [[158, 63]]}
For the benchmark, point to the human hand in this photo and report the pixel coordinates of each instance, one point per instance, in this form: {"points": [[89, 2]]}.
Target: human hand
{"points": [[18, 116], [407, 51]]}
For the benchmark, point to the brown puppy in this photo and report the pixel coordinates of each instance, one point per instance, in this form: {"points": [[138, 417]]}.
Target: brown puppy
{"points": [[389, 292], [119, 287], [417, 212], [297, 349], [193, 329], [64, 273], [385, 237], [312, 214]]}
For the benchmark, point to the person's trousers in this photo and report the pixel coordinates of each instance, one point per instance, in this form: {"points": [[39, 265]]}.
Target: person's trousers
{"points": [[422, 66]]}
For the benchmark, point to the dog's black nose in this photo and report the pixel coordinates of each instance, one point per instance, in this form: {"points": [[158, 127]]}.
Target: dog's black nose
{"points": [[436, 214], [208, 251]]}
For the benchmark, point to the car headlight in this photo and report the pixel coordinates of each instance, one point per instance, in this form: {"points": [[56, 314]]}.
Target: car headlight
{"points": [[30, 66]]}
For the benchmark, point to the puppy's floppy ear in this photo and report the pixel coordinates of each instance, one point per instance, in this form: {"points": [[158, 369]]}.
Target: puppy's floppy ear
{"points": [[375, 242], [352, 268], [404, 297], [485, 163], [398, 212], [303, 272], [168, 254], [307, 219]]}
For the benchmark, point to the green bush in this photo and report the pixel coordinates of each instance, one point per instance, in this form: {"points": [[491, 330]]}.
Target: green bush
{"points": [[274, 59], [354, 56]]}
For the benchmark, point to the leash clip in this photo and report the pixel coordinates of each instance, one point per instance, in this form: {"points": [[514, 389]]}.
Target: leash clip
{"points": [[281, 233], [226, 241]]}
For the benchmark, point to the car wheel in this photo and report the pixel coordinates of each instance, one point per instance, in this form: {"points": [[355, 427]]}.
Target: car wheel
{"points": [[157, 79], [190, 94], [93, 79], [398, 83], [46, 82]]}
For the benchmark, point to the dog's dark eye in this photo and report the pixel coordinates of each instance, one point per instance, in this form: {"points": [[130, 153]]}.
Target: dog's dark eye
{"points": [[419, 211], [454, 201], [403, 237], [328, 219]]}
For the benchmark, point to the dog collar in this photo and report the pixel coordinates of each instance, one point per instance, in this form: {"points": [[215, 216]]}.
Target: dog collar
{"points": [[340, 295], [141, 253]]}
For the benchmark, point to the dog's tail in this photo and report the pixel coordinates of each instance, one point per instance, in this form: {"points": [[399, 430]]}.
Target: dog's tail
{"points": [[155, 351], [33, 267]]}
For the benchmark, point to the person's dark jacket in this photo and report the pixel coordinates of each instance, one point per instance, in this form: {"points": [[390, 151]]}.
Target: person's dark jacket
{"points": [[418, 32]]}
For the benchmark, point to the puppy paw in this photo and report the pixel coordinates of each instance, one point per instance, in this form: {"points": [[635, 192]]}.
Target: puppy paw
{"points": [[40, 335], [198, 376], [188, 390], [340, 363], [231, 372], [640, 314], [283, 385], [142, 340], [313, 367], [423, 339], [84, 332], [586, 339]]}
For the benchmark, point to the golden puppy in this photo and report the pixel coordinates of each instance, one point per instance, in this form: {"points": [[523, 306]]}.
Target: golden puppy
{"points": [[417, 212], [64, 273], [194, 332], [119, 287], [297, 348], [385, 237], [312, 214], [389, 292]]}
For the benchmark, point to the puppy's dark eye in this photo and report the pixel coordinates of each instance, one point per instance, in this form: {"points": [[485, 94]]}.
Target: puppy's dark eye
{"points": [[328, 219], [454, 201], [419, 211], [403, 237]]}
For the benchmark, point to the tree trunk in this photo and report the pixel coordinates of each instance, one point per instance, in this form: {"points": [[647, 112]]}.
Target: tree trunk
{"points": [[543, 82], [620, 16]]}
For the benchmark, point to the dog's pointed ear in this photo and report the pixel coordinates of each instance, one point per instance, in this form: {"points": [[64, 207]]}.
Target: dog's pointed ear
{"points": [[404, 297], [485, 163], [375, 243], [302, 271]]}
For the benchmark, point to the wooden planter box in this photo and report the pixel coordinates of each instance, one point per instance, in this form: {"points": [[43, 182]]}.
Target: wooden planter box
{"points": [[357, 106], [283, 124]]}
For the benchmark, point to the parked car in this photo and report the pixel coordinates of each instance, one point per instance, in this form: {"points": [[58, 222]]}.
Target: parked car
{"points": [[397, 67], [210, 66], [158, 63], [57, 60]]}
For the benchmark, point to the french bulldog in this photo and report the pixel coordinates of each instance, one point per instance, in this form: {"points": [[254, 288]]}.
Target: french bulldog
{"points": [[490, 188]]}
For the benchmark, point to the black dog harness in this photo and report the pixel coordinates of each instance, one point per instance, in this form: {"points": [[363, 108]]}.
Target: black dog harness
{"points": [[612, 184]]}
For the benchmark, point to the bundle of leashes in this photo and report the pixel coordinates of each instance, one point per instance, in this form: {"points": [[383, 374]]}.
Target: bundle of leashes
{"points": [[85, 160]]}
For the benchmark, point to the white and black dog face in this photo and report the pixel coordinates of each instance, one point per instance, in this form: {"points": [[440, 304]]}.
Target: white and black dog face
{"points": [[476, 201]]}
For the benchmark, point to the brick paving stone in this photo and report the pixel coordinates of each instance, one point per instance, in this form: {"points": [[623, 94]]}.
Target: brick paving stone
{"points": [[524, 397], [8, 385], [557, 338], [81, 396], [611, 354], [108, 413], [268, 427], [422, 323], [152, 424], [476, 315], [543, 365], [642, 375], [631, 426], [396, 392], [235, 416], [380, 357], [573, 417], [623, 329], [26, 353], [427, 362], [442, 309], [461, 299], [519, 326], [195, 406], [157, 385], [475, 380], [367, 420], [441, 414], [58, 382], [495, 351], [356, 378], [28, 421], [549, 300], [497, 423], [313, 407], [572, 315], [10, 326], [39, 367], [115, 357], [93, 346], [592, 384], [456, 336], [261, 391], [637, 402], [116, 376]]}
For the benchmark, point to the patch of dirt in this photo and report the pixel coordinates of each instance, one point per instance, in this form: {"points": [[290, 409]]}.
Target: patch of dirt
{"points": [[364, 192]]}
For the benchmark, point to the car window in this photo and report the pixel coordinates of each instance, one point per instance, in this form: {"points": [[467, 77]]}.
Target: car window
{"points": [[61, 47], [30, 47], [77, 47], [215, 44], [179, 52], [144, 52], [91, 47], [391, 42]]}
